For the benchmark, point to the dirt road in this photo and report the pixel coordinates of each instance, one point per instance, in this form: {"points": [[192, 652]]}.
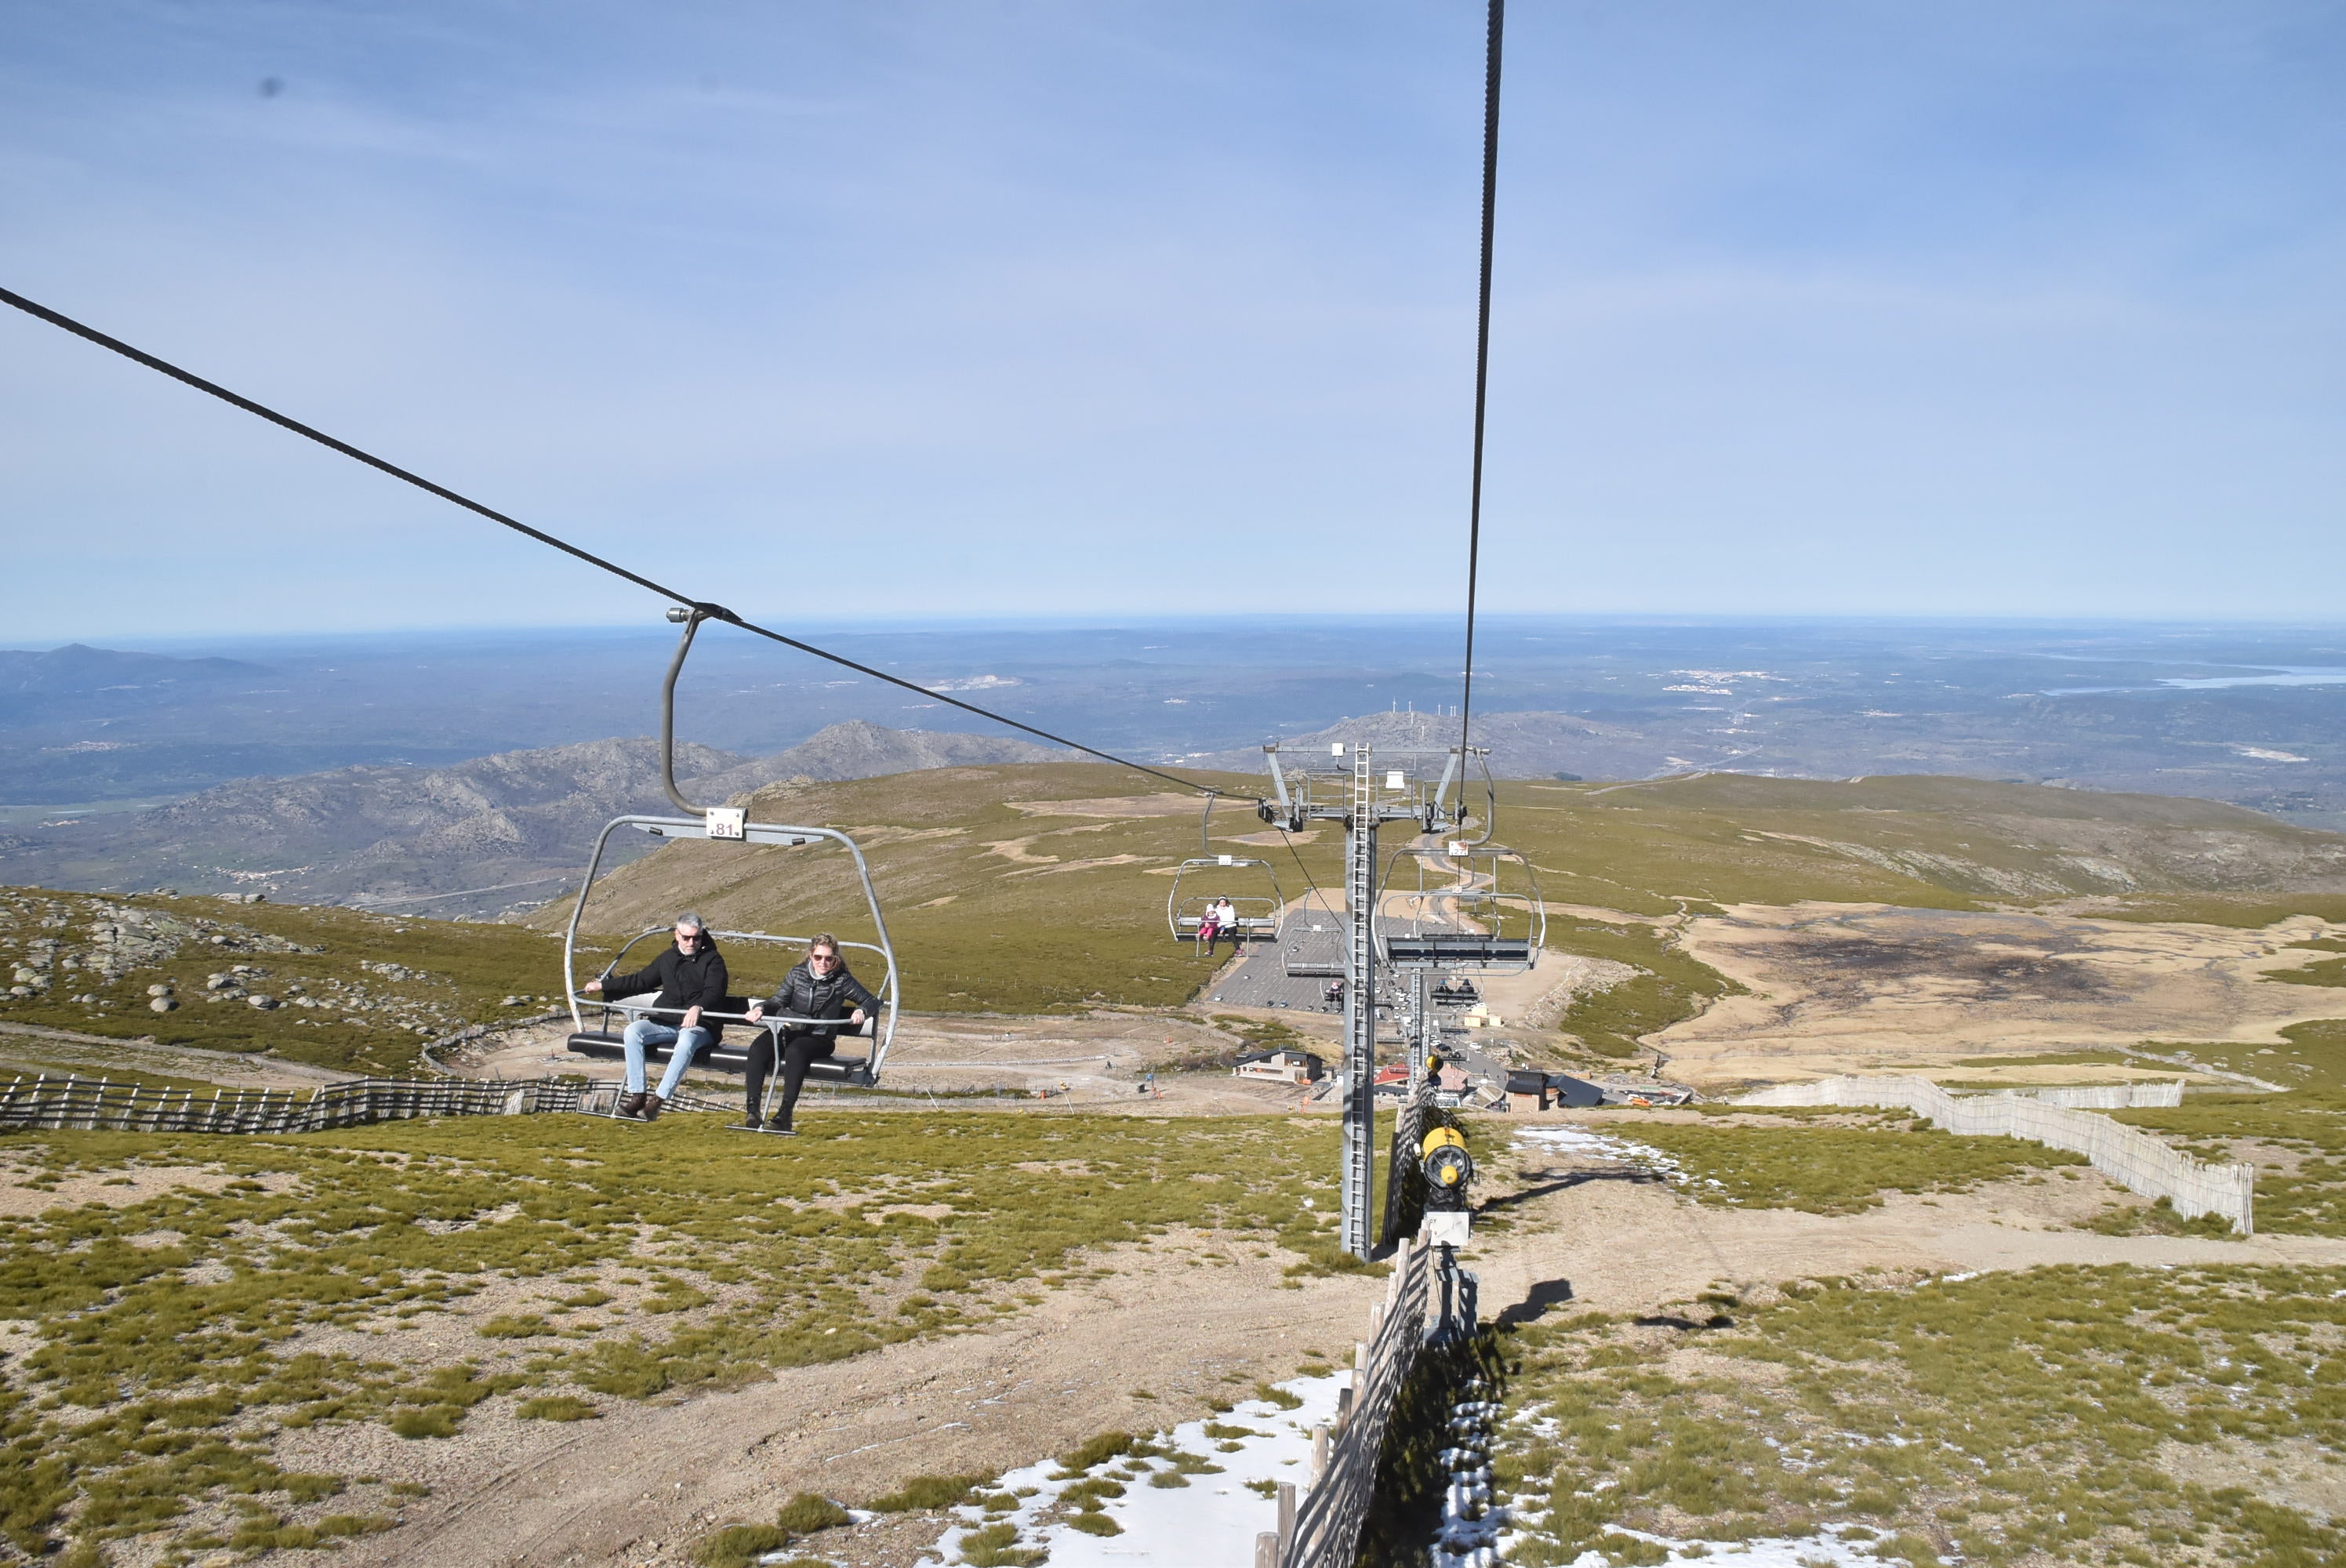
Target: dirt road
{"points": [[1095, 1063], [639, 1485], [1614, 1236]]}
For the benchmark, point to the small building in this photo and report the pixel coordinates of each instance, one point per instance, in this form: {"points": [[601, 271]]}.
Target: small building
{"points": [[1526, 1091], [1284, 1066]]}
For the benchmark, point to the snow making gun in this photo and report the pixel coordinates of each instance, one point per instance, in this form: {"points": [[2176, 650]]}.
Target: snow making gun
{"points": [[1448, 1168]]}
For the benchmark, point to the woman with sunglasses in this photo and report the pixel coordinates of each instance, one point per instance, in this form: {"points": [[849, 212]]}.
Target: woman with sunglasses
{"points": [[818, 988]]}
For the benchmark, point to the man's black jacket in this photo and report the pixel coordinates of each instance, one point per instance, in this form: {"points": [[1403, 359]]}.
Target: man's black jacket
{"points": [[695, 978], [808, 995]]}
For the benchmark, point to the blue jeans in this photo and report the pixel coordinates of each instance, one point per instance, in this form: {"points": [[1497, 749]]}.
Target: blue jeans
{"points": [[644, 1033]]}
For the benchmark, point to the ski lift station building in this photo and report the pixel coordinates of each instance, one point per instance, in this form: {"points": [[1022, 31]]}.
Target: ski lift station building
{"points": [[1284, 1066]]}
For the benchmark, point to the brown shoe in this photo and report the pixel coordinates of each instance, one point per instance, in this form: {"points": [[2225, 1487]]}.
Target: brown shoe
{"points": [[651, 1108], [629, 1106]]}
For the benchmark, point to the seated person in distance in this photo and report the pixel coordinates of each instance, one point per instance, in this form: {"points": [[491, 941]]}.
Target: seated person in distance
{"points": [[817, 987], [690, 977]]}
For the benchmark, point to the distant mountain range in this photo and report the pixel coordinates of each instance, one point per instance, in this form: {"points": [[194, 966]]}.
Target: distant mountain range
{"points": [[71, 676], [474, 837]]}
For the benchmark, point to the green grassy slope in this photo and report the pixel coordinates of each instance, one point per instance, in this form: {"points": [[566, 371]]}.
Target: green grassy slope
{"points": [[153, 1372], [994, 907]]}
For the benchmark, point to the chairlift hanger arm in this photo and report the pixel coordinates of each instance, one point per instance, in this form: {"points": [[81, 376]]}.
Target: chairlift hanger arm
{"points": [[691, 619], [1490, 824], [1288, 815]]}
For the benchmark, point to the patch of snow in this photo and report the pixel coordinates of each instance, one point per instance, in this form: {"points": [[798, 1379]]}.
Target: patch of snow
{"points": [[1590, 1144], [1213, 1520]]}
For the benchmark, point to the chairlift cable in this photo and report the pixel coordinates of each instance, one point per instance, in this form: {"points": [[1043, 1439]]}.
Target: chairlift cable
{"points": [[715, 612], [1344, 935], [1482, 346]]}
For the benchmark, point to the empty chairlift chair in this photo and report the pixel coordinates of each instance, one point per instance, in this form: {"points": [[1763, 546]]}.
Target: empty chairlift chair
{"points": [[1489, 919]]}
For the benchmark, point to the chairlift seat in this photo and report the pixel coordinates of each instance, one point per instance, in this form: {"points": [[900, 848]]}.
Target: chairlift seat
{"points": [[1185, 926], [1458, 950], [727, 1056]]}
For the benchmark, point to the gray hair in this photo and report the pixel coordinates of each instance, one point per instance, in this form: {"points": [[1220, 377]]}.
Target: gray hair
{"points": [[692, 920]]}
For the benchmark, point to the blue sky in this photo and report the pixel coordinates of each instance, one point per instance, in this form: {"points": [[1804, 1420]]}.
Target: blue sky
{"points": [[1023, 308]]}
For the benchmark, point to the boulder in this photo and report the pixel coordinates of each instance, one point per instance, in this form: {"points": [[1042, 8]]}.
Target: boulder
{"points": [[163, 1004]]}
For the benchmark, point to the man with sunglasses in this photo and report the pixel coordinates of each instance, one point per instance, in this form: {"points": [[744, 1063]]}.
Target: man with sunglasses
{"points": [[818, 988], [689, 977]]}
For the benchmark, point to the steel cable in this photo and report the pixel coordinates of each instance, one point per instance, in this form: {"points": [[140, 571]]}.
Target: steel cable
{"points": [[715, 612], [1482, 347]]}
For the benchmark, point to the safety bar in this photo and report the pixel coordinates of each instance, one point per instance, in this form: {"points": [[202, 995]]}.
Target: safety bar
{"points": [[644, 1009]]}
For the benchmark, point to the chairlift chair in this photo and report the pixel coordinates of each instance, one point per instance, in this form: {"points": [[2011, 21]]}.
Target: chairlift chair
{"points": [[1258, 913], [1303, 959], [603, 1040], [1494, 891], [729, 824]]}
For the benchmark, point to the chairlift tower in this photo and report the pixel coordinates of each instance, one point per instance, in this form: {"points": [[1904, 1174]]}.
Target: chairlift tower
{"points": [[1513, 921], [1363, 808]]}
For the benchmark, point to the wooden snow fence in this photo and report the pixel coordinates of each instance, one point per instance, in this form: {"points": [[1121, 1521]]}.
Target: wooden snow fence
{"points": [[2127, 1155], [97, 1105], [1325, 1530]]}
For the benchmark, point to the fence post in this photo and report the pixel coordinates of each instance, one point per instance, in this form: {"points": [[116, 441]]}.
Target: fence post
{"points": [[1285, 1536]]}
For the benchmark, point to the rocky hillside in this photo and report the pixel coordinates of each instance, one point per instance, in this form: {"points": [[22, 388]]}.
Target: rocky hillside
{"points": [[474, 837], [857, 749]]}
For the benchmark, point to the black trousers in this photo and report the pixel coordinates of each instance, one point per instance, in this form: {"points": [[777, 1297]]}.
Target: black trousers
{"points": [[798, 1050]]}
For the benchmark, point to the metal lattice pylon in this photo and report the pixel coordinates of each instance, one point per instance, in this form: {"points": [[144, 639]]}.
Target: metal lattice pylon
{"points": [[1359, 1008]]}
